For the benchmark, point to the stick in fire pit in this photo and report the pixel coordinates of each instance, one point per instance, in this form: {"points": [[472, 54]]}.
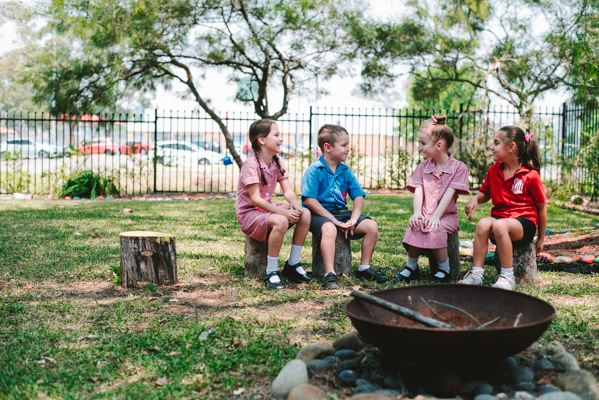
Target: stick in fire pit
{"points": [[403, 311]]}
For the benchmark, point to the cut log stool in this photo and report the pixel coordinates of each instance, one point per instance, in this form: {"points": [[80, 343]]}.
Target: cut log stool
{"points": [[148, 257], [255, 258], [453, 252], [342, 256], [524, 263]]}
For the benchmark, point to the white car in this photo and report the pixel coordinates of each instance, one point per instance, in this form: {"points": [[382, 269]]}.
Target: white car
{"points": [[174, 152], [29, 148]]}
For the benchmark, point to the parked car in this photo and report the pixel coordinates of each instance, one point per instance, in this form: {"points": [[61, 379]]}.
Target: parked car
{"points": [[286, 150], [135, 147], [173, 152], [212, 145], [29, 148], [98, 146]]}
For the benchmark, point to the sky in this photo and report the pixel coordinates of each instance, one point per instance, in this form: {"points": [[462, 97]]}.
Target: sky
{"points": [[343, 92]]}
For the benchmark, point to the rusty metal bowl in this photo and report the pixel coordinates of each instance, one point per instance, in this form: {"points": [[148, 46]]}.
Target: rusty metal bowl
{"points": [[403, 340]]}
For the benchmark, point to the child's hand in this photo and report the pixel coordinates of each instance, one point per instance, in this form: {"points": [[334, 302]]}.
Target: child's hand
{"points": [[471, 207], [539, 246], [415, 220], [292, 215], [432, 223], [298, 208], [349, 227]]}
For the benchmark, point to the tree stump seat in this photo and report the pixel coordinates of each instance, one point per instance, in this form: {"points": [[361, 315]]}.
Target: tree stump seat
{"points": [[524, 263], [342, 255], [148, 257], [453, 252], [255, 258]]}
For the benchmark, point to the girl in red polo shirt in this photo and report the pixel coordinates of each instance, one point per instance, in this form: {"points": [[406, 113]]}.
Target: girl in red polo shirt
{"points": [[514, 186]]}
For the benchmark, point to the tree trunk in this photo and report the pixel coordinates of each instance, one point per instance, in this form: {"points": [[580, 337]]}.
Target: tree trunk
{"points": [[148, 257], [255, 258], [453, 252], [524, 264], [342, 256]]}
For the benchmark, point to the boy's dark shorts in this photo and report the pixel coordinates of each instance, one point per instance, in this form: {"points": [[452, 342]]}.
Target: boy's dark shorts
{"points": [[342, 215], [529, 229]]}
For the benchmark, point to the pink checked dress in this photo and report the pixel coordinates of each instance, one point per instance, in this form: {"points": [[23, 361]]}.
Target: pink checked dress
{"points": [[252, 220], [434, 184]]}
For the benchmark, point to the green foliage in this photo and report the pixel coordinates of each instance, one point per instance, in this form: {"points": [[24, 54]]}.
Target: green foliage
{"points": [[14, 179], [398, 167], [90, 184]]}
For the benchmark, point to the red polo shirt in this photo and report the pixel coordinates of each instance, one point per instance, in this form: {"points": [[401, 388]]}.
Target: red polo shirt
{"points": [[515, 196]]}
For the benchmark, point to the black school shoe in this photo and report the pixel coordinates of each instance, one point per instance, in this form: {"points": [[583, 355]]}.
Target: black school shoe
{"points": [[330, 281], [372, 275], [273, 285], [290, 272], [434, 279], [414, 276]]}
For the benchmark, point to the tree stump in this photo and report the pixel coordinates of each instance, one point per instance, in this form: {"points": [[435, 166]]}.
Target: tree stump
{"points": [[524, 264], [148, 257], [342, 256], [453, 252], [255, 258]]}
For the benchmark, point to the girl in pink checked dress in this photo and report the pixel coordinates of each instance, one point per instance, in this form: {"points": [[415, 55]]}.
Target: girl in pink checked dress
{"points": [[436, 184], [258, 217]]}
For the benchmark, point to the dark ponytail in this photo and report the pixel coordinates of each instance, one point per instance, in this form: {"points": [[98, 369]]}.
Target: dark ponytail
{"points": [[261, 128], [528, 147]]}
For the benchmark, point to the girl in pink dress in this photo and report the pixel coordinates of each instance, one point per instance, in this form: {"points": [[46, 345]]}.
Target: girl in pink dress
{"points": [[263, 220], [436, 184]]}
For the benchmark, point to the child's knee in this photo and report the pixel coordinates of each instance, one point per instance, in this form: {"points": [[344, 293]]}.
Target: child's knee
{"points": [[328, 230], [500, 227], [372, 228], [485, 225], [280, 222], [306, 215]]}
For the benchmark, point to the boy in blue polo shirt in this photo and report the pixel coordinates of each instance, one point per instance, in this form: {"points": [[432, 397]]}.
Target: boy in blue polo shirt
{"points": [[325, 186]]}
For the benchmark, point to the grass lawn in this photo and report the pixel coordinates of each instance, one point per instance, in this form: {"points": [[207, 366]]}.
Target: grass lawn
{"points": [[58, 302]]}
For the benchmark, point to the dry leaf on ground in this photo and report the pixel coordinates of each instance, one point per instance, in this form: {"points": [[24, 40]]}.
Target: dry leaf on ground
{"points": [[238, 391], [95, 235], [127, 211], [160, 381]]}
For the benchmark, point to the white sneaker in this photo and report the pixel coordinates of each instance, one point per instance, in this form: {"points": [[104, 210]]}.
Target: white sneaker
{"points": [[472, 278], [506, 282]]}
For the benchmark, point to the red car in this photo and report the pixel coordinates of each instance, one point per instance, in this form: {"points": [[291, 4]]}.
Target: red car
{"points": [[286, 150], [98, 146], [134, 147]]}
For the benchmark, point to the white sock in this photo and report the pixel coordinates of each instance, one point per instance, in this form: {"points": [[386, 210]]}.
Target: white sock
{"points": [[413, 264], [272, 265], [444, 266], [363, 267], [507, 271], [294, 255], [478, 270]]}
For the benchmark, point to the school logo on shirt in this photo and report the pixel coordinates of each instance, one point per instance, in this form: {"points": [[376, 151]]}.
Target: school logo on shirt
{"points": [[344, 195], [518, 186]]}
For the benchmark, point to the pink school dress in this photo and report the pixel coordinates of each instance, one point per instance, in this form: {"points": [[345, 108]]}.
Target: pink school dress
{"points": [[252, 220], [434, 184]]}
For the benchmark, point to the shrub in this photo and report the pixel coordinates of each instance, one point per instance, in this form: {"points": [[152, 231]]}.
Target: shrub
{"points": [[90, 184]]}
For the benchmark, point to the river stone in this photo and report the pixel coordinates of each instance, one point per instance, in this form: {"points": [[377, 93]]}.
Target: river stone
{"points": [[347, 365], [468, 387], [363, 386], [523, 396], [348, 377], [559, 396], [345, 354], [370, 396], [582, 383], [535, 348], [482, 388], [511, 363], [314, 351], [565, 362], [293, 373], [523, 374], [319, 365], [349, 341], [542, 363], [553, 348], [307, 392], [388, 392], [485, 397], [547, 389], [526, 386], [331, 359], [393, 382]]}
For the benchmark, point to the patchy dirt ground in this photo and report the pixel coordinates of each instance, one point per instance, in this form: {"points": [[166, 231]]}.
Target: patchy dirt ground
{"points": [[573, 244]]}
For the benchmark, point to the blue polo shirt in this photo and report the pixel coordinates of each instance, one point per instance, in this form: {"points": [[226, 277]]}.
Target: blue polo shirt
{"points": [[330, 189]]}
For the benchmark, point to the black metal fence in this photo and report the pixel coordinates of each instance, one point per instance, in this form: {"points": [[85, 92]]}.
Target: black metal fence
{"points": [[183, 151]]}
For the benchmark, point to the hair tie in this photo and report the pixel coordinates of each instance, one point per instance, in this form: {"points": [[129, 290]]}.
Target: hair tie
{"points": [[527, 138], [434, 120]]}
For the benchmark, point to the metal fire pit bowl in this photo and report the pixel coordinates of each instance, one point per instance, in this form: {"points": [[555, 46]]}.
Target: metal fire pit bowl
{"points": [[403, 340]]}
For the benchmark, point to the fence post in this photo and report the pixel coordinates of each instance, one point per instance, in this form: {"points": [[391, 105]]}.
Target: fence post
{"points": [[564, 115], [155, 145], [310, 137]]}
